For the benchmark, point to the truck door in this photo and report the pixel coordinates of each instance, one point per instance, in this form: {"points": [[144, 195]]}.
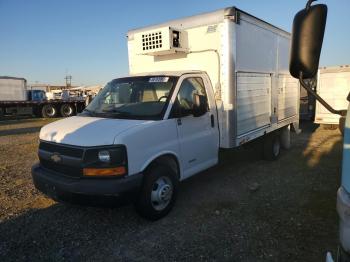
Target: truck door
{"points": [[198, 135]]}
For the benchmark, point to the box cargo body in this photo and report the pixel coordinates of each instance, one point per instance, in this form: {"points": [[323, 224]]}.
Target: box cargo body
{"points": [[12, 89], [333, 86], [247, 62]]}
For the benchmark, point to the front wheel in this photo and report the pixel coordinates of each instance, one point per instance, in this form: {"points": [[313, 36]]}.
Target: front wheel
{"points": [[158, 193]]}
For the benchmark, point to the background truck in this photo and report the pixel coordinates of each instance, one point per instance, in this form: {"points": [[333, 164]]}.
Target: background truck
{"points": [[308, 102], [198, 84], [334, 87], [17, 99]]}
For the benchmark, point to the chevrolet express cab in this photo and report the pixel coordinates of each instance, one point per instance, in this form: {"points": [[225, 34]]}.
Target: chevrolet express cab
{"points": [[198, 84]]}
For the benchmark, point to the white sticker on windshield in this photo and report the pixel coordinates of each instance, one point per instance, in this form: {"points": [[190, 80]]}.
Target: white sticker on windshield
{"points": [[159, 79]]}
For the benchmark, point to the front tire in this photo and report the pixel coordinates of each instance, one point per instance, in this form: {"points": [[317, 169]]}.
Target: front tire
{"points": [[158, 193], [48, 111]]}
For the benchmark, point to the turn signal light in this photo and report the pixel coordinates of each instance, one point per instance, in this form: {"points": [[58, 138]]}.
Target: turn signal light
{"points": [[114, 171]]}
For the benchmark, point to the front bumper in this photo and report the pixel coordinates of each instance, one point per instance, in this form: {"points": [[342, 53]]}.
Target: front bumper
{"points": [[86, 191]]}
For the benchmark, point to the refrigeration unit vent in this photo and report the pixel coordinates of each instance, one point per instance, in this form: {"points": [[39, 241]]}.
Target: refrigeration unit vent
{"points": [[152, 41], [162, 41]]}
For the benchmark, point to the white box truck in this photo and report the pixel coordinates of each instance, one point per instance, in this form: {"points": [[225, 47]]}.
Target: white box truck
{"points": [[333, 86], [198, 84], [17, 99]]}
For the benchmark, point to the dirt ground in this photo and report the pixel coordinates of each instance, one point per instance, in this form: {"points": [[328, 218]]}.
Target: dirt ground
{"points": [[244, 209]]}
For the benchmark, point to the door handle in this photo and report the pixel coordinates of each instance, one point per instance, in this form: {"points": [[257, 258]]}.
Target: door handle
{"points": [[212, 120]]}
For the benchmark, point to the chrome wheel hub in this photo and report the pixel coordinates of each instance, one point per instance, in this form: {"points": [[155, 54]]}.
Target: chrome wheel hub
{"points": [[162, 192], [68, 110]]}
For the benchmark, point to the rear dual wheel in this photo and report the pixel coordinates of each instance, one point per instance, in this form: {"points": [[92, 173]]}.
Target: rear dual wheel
{"points": [[67, 110], [48, 111], [272, 146]]}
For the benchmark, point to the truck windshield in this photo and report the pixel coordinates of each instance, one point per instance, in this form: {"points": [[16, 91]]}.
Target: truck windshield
{"points": [[143, 97]]}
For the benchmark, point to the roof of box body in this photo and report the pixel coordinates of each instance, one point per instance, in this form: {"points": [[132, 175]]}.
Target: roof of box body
{"points": [[11, 77], [335, 69], [200, 20]]}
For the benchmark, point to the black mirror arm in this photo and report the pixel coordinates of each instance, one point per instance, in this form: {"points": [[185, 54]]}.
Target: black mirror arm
{"points": [[319, 99], [308, 4]]}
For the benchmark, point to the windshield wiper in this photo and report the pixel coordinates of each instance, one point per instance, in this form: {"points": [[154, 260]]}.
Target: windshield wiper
{"points": [[91, 113], [116, 111]]}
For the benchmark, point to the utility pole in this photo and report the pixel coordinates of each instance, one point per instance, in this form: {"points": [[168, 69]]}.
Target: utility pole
{"points": [[68, 81]]}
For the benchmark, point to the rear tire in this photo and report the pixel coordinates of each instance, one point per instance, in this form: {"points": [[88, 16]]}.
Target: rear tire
{"points": [[158, 193], [48, 111], [271, 147], [67, 110], [285, 138]]}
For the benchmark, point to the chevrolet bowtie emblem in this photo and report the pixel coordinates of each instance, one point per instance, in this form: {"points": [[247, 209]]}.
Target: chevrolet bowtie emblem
{"points": [[55, 157]]}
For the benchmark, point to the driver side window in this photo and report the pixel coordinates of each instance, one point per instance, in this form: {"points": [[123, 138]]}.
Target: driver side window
{"points": [[185, 98]]}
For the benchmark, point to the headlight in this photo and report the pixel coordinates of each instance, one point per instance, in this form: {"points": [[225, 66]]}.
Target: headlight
{"points": [[105, 161], [104, 156]]}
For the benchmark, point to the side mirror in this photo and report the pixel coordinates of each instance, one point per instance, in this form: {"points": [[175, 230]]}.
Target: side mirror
{"points": [[200, 105], [307, 38]]}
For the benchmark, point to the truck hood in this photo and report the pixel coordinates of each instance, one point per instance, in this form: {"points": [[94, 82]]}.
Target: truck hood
{"points": [[86, 131]]}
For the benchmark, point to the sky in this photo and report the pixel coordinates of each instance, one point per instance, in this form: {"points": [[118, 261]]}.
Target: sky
{"points": [[44, 40]]}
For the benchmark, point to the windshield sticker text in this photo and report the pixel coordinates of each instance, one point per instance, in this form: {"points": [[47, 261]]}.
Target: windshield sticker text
{"points": [[158, 79]]}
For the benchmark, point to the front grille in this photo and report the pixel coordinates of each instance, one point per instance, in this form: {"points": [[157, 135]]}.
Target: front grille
{"points": [[72, 169], [63, 169], [66, 150]]}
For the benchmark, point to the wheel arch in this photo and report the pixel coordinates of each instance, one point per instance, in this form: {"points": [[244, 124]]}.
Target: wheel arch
{"points": [[169, 158]]}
